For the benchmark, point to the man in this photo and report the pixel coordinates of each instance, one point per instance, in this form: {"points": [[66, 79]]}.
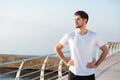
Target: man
{"points": [[82, 43]]}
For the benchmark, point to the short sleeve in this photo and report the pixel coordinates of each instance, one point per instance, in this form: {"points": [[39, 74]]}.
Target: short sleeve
{"points": [[99, 42], [64, 40]]}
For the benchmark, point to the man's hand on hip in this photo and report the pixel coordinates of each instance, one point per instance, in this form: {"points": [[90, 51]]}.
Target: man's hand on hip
{"points": [[91, 65], [70, 63]]}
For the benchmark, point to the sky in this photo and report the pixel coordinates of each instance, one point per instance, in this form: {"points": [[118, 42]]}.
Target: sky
{"points": [[33, 27]]}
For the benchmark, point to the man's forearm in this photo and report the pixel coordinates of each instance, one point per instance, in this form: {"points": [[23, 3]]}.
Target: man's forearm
{"points": [[101, 58], [60, 55]]}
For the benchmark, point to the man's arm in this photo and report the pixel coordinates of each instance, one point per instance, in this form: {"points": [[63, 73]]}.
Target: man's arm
{"points": [[104, 50], [104, 53], [58, 50]]}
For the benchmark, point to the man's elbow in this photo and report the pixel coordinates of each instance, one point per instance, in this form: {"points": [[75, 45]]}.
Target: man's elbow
{"points": [[58, 48], [104, 49], [55, 49]]}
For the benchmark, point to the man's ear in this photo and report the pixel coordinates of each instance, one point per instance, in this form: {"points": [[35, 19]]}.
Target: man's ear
{"points": [[85, 20]]}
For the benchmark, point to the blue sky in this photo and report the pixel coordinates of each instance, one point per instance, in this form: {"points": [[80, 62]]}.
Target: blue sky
{"points": [[35, 26]]}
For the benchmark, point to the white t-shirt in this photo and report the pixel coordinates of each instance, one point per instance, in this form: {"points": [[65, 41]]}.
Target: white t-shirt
{"points": [[81, 48]]}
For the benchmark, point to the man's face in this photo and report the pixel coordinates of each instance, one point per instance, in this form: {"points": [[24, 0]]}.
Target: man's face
{"points": [[79, 22]]}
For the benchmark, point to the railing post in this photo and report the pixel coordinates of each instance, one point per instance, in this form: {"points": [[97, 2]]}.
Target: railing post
{"points": [[60, 70], [110, 51], [19, 70], [119, 46], [115, 47], [112, 48], [108, 46], [43, 69]]}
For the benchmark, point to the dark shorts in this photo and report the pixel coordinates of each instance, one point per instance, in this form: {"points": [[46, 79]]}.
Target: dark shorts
{"points": [[71, 76]]}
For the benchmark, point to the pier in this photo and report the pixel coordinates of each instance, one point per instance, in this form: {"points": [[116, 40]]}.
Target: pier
{"points": [[110, 68], [49, 67]]}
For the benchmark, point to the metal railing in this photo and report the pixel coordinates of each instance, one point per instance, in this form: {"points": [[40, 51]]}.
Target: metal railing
{"points": [[46, 68], [50, 68]]}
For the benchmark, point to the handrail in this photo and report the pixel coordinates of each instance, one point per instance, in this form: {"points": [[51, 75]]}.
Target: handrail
{"points": [[43, 69], [60, 70], [19, 70]]}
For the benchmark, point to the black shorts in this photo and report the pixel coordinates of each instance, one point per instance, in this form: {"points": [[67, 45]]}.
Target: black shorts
{"points": [[71, 76]]}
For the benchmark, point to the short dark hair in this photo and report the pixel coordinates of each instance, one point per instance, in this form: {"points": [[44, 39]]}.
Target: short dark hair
{"points": [[82, 14]]}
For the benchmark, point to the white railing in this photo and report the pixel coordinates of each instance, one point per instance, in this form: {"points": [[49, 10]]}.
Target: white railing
{"points": [[42, 71], [46, 65]]}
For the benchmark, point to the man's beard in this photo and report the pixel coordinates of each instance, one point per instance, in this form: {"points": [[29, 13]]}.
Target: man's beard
{"points": [[78, 26]]}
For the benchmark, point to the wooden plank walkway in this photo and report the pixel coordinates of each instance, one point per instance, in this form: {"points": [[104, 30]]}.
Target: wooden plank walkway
{"points": [[109, 69]]}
